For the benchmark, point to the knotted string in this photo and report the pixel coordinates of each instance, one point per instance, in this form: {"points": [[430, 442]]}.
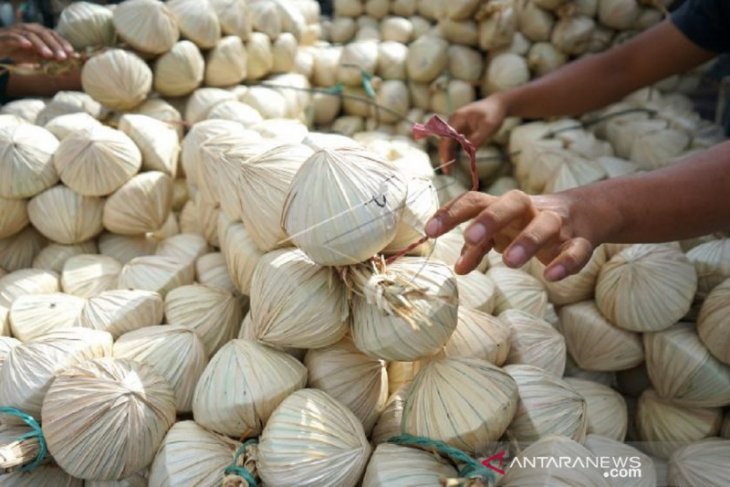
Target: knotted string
{"points": [[235, 469], [36, 433]]}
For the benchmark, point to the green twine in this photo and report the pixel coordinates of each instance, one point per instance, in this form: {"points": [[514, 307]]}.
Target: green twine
{"points": [[367, 83], [233, 468], [337, 89], [471, 469], [36, 433]]}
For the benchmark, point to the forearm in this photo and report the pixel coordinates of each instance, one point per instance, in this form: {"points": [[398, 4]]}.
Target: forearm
{"points": [[688, 199], [595, 81], [42, 84]]}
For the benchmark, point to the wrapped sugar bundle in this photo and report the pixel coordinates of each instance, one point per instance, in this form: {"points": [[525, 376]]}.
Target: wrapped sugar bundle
{"points": [[712, 263], [664, 427], [478, 335], [476, 291], [212, 313], [54, 256], [124, 248], [160, 109], [297, 303], [534, 341], [236, 111], [573, 34], [205, 136], [656, 149], [47, 475], [146, 25], [703, 463], [34, 315], [7, 344], [545, 58], [357, 381], [141, 205], [683, 370], [72, 123], [46, 357], [579, 172], [405, 310], [27, 282], [202, 100], [100, 451], [88, 275], [197, 21], [174, 351], [263, 184], [27, 109], [283, 130], [192, 455], [231, 398], [157, 141], [618, 14], [259, 56], [117, 79], [13, 216], [226, 62], [427, 59], [601, 446], [85, 24], [234, 17], [524, 472], [622, 131], [713, 325], [180, 70], [324, 445], [402, 373], [663, 284], [606, 409], [389, 421], [420, 205], [65, 216], [391, 60], [184, 247], [516, 289], [546, 406], [359, 214], [594, 343], [575, 288], [356, 58], [18, 251], [573, 370], [505, 71], [155, 273], [486, 396], [392, 465], [26, 167], [211, 270], [241, 255], [122, 311]]}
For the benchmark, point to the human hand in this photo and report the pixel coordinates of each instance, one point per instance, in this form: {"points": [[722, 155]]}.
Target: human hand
{"points": [[29, 42], [478, 121], [550, 227]]}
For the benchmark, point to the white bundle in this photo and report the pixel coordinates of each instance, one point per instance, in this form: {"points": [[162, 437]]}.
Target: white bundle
{"points": [[155, 273], [125, 248], [402, 373], [18, 251], [72, 123], [388, 424], [88, 275], [163, 111], [397, 29], [183, 247], [236, 111], [574, 288], [197, 21], [146, 25], [26, 167], [357, 57], [421, 203], [241, 255], [545, 58], [606, 409], [700, 464], [712, 263], [23, 109], [478, 335], [659, 148], [497, 25], [534, 342], [533, 22], [312, 439], [65, 216], [141, 205], [226, 62], [618, 14], [573, 34], [452, 95], [85, 24], [601, 446], [7, 344], [516, 289], [234, 17], [284, 51], [157, 141], [465, 63], [117, 79], [122, 311], [476, 291], [211, 270], [427, 58], [392, 465], [357, 381], [13, 216], [259, 58], [713, 326]]}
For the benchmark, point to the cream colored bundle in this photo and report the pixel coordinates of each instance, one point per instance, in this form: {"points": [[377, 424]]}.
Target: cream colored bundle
{"points": [[13, 216], [700, 464], [46, 475], [26, 282], [534, 341], [326, 61], [394, 95], [427, 59], [211, 270], [157, 141], [447, 249], [184, 247], [478, 335], [451, 95], [573, 34], [402, 373], [146, 25], [122, 311], [241, 255], [606, 409], [578, 172], [226, 62], [545, 58], [358, 214], [259, 56], [192, 455], [712, 263], [234, 17], [312, 439], [125, 248], [6, 344], [268, 102], [539, 161], [505, 71], [100, 451], [30, 368], [180, 70], [389, 421], [575, 288], [214, 314], [117, 79], [25, 109], [87, 275], [284, 51], [713, 324], [72, 123], [141, 205], [236, 111], [547, 406], [26, 167], [34, 315], [516, 289], [86, 24], [197, 21], [392, 60], [594, 343], [65, 216], [18, 251], [357, 381], [663, 284], [342, 30], [403, 8], [420, 205], [169, 229], [659, 148], [233, 399], [601, 446], [393, 465], [622, 131], [664, 426], [618, 14], [174, 351], [155, 273], [485, 395], [463, 32], [396, 29], [476, 291], [533, 22], [348, 8], [465, 63], [524, 471], [605, 378], [297, 303], [356, 58], [498, 22], [682, 369], [162, 110], [404, 311]]}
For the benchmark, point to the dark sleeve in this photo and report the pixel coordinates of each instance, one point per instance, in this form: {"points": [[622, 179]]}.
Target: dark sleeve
{"points": [[4, 86], [705, 22]]}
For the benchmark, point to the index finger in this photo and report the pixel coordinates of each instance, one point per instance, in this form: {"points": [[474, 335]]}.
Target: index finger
{"points": [[458, 210]]}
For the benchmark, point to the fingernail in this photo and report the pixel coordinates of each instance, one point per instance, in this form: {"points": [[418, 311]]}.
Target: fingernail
{"points": [[433, 227], [516, 256], [475, 233], [46, 52], [459, 261], [556, 273], [61, 55]]}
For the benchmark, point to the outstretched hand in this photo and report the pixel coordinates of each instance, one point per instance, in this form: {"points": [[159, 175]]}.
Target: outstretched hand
{"points": [[31, 42], [521, 227]]}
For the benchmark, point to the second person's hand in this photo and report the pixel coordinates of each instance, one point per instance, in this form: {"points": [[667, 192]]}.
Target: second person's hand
{"points": [[30, 42]]}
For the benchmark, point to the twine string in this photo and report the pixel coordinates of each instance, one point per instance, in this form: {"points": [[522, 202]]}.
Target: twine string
{"points": [[235, 469], [35, 433]]}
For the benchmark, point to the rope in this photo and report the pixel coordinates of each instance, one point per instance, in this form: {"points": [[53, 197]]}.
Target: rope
{"points": [[472, 469], [36, 433], [234, 469]]}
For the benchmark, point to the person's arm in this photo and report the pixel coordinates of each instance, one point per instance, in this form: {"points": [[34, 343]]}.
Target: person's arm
{"points": [[42, 84], [583, 85], [688, 199]]}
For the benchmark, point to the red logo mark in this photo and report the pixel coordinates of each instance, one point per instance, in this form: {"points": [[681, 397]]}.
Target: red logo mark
{"points": [[499, 456]]}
